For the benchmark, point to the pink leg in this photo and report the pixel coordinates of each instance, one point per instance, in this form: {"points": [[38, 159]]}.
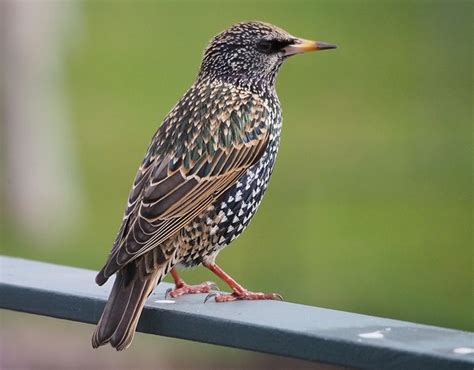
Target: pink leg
{"points": [[239, 292]]}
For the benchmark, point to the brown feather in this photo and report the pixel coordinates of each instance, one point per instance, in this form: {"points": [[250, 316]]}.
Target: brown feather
{"points": [[177, 199], [133, 284]]}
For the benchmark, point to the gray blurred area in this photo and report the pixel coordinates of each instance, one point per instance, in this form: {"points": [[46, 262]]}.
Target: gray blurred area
{"points": [[40, 183]]}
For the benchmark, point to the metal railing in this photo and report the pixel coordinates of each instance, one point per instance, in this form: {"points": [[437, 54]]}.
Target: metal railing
{"points": [[281, 328]]}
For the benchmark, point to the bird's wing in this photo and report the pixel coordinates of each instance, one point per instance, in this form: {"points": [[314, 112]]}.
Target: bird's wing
{"points": [[173, 188]]}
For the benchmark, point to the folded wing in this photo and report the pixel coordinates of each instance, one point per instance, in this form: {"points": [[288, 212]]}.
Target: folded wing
{"points": [[169, 191]]}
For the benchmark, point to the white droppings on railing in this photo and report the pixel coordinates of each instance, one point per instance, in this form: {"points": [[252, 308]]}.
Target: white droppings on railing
{"points": [[463, 350], [166, 301], [372, 335]]}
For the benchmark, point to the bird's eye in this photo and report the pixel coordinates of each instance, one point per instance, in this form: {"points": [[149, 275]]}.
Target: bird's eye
{"points": [[272, 46], [265, 46]]}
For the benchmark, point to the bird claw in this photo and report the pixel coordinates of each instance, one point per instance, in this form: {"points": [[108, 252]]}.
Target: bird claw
{"points": [[168, 291], [183, 289], [209, 296], [212, 285]]}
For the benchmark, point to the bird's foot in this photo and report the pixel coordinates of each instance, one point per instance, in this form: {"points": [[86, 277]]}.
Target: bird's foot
{"points": [[184, 288], [244, 295]]}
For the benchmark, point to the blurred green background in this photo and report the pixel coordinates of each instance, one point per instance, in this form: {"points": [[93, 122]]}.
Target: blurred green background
{"points": [[370, 206]]}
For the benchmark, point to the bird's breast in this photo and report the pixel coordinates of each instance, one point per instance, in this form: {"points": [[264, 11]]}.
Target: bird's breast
{"points": [[227, 218]]}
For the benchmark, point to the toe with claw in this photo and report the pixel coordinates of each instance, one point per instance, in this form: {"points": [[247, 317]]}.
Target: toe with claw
{"points": [[184, 288], [243, 296]]}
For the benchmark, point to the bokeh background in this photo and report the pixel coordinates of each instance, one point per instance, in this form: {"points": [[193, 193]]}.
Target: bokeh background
{"points": [[369, 209]]}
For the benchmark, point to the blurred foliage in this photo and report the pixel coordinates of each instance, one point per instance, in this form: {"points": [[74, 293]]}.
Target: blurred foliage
{"points": [[370, 206]]}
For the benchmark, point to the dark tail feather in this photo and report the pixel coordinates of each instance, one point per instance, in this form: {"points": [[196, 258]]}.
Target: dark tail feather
{"points": [[122, 311]]}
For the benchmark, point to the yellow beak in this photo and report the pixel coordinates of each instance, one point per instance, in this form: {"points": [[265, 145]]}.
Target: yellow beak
{"points": [[302, 46]]}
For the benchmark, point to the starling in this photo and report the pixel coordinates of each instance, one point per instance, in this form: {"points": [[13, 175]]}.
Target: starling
{"points": [[203, 176]]}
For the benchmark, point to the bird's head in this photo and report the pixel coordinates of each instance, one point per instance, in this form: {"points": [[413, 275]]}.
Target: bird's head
{"points": [[250, 54]]}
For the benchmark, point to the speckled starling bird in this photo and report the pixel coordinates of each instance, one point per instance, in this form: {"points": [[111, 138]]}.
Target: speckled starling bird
{"points": [[203, 176]]}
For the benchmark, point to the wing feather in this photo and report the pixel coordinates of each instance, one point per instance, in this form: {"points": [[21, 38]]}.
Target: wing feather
{"points": [[171, 190]]}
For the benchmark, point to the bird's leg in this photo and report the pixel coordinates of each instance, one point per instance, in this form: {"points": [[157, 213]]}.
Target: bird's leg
{"points": [[182, 288], [239, 292]]}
